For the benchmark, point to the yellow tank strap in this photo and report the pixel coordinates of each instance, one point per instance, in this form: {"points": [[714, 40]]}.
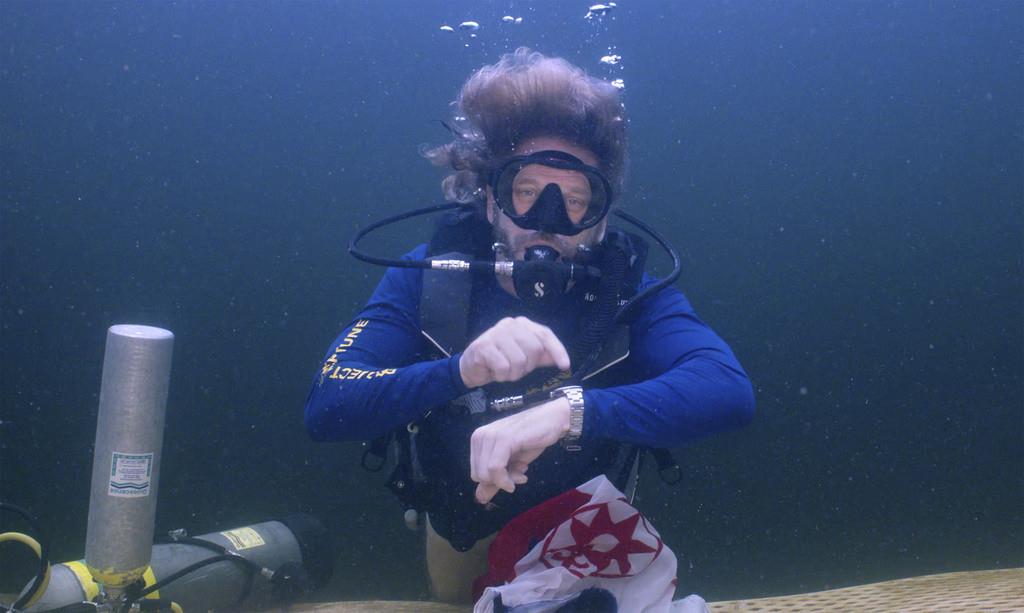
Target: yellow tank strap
{"points": [[92, 589], [150, 578], [89, 587], [119, 579]]}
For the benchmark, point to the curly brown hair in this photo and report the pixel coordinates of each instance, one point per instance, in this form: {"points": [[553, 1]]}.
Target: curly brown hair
{"points": [[527, 94]]}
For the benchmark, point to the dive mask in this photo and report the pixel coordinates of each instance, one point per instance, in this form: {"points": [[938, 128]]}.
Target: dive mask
{"points": [[569, 200]]}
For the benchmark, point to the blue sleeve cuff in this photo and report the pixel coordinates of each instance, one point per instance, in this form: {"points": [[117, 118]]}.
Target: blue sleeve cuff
{"points": [[456, 375], [594, 423]]}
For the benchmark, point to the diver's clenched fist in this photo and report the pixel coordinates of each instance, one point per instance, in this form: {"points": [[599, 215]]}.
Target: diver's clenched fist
{"points": [[509, 350], [501, 451]]}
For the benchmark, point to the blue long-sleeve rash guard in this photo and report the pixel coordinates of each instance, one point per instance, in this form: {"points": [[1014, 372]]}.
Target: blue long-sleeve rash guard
{"points": [[379, 374]]}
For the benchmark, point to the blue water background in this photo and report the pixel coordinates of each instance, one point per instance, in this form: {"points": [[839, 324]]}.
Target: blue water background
{"points": [[843, 179]]}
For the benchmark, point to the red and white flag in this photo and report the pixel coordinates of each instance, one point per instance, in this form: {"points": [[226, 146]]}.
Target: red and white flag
{"points": [[589, 537]]}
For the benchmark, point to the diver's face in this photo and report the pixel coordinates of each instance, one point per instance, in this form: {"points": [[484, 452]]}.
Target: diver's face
{"points": [[528, 184]]}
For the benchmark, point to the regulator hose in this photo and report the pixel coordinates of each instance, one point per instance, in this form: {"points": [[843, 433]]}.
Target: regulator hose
{"points": [[587, 345], [251, 568], [41, 549]]}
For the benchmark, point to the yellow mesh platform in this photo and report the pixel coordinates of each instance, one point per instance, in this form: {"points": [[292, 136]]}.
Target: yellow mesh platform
{"points": [[381, 606], [969, 592]]}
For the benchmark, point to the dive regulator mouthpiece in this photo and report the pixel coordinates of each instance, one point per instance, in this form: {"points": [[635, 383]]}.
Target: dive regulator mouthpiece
{"points": [[540, 276]]}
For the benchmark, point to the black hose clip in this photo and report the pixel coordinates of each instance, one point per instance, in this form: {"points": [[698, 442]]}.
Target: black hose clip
{"points": [[376, 454], [668, 468]]}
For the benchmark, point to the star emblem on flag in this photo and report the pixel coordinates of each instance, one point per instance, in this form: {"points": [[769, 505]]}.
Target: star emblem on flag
{"points": [[609, 539]]}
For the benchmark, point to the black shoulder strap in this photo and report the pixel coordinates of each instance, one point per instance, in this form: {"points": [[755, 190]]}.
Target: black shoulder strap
{"points": [[615, 343], [444, 307], [637, 249], [462, 231], [444, 302]]}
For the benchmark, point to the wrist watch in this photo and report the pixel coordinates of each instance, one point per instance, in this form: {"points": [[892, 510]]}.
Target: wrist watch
{"points": [[574, 394]]}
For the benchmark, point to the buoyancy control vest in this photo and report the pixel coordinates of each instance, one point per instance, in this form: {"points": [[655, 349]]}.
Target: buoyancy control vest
{"points": [[432, 454]]}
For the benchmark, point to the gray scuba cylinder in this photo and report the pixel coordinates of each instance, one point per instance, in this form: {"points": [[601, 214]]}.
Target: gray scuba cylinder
{"points": [[126, 459], [247, 567], [287, 558]]}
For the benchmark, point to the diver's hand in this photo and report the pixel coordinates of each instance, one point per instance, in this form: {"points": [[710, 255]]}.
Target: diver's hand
{"points": [[510, 350], [501, 451]]}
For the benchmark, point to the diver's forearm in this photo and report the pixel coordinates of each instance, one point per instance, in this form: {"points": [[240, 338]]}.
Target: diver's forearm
{"points": [[354, 401], [699, 397]]}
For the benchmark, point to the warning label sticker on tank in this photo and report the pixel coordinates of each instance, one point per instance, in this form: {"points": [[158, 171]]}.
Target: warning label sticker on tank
{"points": [[243, 538], [131, 474]]}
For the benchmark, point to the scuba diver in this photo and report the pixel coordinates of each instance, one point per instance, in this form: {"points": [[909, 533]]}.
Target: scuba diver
{"points": [[523, 350]]}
